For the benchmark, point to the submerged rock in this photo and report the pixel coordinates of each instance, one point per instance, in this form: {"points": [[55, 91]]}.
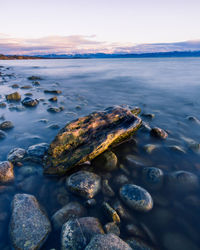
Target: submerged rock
{"points": [[84, 139], [2, 134], [16, 155], [55, 92], [6, 171], [153, 177], [84, 183], [76, 233], [106, 161], [36, 152], [71, 210], [138, 244], [6, 125], [159, 133], [108, 242], [111, 227], [29, 102], [13, 97], [136, 197], [55, 109], [29, 226], [34, 78]]}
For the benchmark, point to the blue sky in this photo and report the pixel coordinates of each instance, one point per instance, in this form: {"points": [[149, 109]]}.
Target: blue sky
{"points": [[68, 26]]}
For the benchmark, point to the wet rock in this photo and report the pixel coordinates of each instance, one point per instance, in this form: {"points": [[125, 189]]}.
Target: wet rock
{"points": [[135, 230], [53, 99], [15, 86], [54, 126], [6, 172], [76, 233], [177, 149], [138, 244], [137, 161], [36, 152], [55, 109], [34, 78], [2, 135], [3, 105], [193, 119], [148, 115], [153, 177], [71, 210], [194, 146], [106, 161], [6, 125], [177, 241], [110, 212], [111, 227], [149, 148], [26, 87], [136, 197], [13, 97], [36, 83], [145, 127], [29, 226], [16, 155], [84, 183], [182, 181], [122, 211], [30, 170], [106, 189], [107, 241], [29, 102], [88, 137], [18, 108], [28, 94], [91, 203], [54, 92], [121, 180], [30, 184], [159, 133]]}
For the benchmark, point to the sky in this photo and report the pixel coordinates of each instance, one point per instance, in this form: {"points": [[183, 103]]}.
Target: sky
{"points": [[88, 26]]}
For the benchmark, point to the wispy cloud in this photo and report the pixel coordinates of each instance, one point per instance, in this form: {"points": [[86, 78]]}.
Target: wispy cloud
{"points": [[84, 44]]}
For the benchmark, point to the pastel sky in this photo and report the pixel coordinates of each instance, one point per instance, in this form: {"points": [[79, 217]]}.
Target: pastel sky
{"points": [[87, 26]]}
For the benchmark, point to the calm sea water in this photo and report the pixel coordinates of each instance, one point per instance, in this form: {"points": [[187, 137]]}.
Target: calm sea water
{"points": [[166, 87]]}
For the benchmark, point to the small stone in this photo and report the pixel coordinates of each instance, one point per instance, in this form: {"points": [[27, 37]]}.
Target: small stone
{"points": [[26, 87], [6, 125], [84, 183], [148, 115], [177, 149], [36, 152], [110, 212], [106, 161], [28, 94], [106, 189], [111, 227], [13, 97], [54, 126], [54, 109], [15, 86], [134, 230], [55, 92], [29, 226], [153, 177], [16, 155], [53, 99], [2, 135], [34, 78], [182, 181], [90, 203], [6, 172], [36, 83], [138, 244], [29, 102], [159, 133], [121, 180], [71, 210], [149, 148], [76, 233], [3, 105], [136, 197], [145, 127], [107, 242], [193, 119]]}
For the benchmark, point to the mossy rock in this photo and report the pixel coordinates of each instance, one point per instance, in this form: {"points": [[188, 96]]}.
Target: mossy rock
{"points": [[87, 137]]}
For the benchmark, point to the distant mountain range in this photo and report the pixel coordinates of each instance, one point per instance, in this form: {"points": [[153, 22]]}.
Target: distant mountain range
{"points": [[103, 55]]}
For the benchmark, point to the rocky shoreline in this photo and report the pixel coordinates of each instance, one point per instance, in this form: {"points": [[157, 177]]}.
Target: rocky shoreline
{"points": [[123, 197]]}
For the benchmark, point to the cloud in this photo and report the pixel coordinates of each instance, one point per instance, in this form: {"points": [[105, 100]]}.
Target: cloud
{"points": [[77, 44]]}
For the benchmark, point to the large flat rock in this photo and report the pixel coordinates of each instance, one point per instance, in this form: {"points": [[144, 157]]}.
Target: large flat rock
{"points": [[87, 137]]}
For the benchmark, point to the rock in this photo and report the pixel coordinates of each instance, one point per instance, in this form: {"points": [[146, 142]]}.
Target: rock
{"points": [[107, 242], [86, 138], [15, 86], [153, 177], [159, 133], [13, 97], [111, 227], [177, 149], [36, 152], [29, 226], [28, 94], [148, 115], [134, 230], [106, 161], [54, 126], [26, 87], [182, 181], [3, 105], [122, 211], [137, 244], [54, 92], [76, 233], [55, 109], [177, 241], [34, 78], [2, 134], [121, 179], [29, 102], [90, 203], [138, 162], [106, 189], [30, 184], [53, 99], [136, 197], [193, 119], [16, 155], [110, 212], [18, 108], [6, 125], [6, 172], [71, 210], [149, 148], [84, 183], [36, 83]]}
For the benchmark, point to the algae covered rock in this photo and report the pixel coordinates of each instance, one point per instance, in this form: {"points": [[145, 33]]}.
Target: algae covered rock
{"points": [[87, 137]]}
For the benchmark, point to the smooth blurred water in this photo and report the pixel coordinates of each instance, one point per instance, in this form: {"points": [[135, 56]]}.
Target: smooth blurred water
{"points": [[166, 87]]}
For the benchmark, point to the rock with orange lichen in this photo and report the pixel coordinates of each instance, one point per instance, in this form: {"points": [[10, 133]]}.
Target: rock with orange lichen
{"points": [[87, 137]]}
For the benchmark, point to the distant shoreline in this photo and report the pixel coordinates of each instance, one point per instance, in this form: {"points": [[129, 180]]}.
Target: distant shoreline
{"points": [[104, 56]]}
